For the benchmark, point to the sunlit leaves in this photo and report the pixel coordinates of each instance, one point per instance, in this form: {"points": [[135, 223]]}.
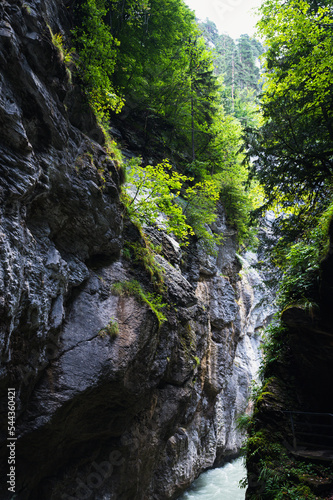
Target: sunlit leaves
{"points": [[292, 152], [97, 50], [159, 195], [156, 189], [300, 49]]}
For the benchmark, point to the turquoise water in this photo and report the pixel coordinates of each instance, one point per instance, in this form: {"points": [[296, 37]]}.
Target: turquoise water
{"points": [[219, 484]]}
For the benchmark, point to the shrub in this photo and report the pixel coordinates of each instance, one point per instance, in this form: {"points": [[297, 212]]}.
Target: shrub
{"points": [[66, 55], [153, 301], [301, 265], [156, 190], [111, 329], [145, 255], [167, 199]]}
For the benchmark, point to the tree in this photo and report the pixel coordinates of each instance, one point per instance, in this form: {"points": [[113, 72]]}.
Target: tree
{"points": [[292, 152], [170, 200], [248, 76], [165, 72], [152, 54], [236, 62], [96, 50]]}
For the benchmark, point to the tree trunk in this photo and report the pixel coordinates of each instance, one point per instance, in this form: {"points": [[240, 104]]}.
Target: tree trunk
{"points": [[233, 82], [192, 115]]}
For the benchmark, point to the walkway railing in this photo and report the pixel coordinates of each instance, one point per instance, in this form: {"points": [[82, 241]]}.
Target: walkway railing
{"points": [[311, 430]]}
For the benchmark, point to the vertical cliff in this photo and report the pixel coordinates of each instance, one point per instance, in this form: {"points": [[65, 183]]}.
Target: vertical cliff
{"points": [[290, 445], [138, 414]]}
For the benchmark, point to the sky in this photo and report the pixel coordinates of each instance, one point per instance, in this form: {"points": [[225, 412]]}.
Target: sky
{"points": [[234, 17]]}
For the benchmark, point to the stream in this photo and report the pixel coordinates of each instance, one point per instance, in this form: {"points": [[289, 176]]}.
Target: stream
{"points": [[219, 484]]}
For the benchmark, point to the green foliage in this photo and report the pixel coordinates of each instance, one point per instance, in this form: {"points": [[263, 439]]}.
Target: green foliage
{"points": [[292, 157], [236, 62], [127, 253], [301, 264], [255, 391], [273, 347], [260, 443], [292, 153], [281, 475], [298, 492], [112, 148], [199, 203], [238, 206], [151, 55], [302, 268], [111, 329], [66, 55], [97, 49], [197, 361], [243, 422], [224, 163], [165, 72], [156, 190], [163, 197], [176, 205], [153, 301], [145, 254], [304, 66]]}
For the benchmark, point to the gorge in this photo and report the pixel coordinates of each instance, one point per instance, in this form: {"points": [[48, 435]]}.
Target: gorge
{"points": [[128, 354], [135, 415]]}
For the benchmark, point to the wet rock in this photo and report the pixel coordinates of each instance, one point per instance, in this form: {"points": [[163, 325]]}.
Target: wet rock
{"points": [[52, 218], [110, 403], [223, 307]]}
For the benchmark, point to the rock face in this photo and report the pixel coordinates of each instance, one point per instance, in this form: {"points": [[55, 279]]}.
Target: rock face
{"points": [[140, 414], [298, 380]]}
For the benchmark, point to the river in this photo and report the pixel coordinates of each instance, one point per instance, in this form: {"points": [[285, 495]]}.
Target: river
{"points": [[219, 484]]}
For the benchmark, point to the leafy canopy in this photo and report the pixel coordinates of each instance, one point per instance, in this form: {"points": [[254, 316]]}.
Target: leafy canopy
{"points": [[97, 49], [163, 197], [156, 189], [147, 60], [292, 152]]}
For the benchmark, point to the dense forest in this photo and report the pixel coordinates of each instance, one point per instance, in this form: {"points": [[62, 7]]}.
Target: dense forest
{"points": [[238, 63], [195, 98], [185, 92]]}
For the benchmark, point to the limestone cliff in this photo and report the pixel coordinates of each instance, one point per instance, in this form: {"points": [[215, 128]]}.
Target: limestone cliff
{"points": [[140, 415]]}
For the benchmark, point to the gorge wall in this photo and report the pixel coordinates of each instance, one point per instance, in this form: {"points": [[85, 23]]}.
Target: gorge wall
{"points": [[291, 433], [140, 415]]}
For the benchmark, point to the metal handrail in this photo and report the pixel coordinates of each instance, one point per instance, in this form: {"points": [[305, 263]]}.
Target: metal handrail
{"points": [[308, 413], [297, 433]]}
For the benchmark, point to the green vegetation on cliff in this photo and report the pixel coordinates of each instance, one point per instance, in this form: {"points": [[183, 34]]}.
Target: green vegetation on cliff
{"points": [[97, 49], [292, 151], [292, 155], [146, 63], [293, 160]]}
